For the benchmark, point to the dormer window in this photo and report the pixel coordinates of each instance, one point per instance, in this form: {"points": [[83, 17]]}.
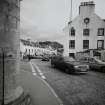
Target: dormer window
{"points": [[72, 31]]}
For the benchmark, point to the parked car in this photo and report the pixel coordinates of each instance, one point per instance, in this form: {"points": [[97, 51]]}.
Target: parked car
{"points": [[45, 58], [38, 57], [69, 65], [94, 63]]}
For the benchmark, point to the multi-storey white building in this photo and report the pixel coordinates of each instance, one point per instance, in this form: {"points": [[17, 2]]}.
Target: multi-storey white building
{"points": [[86, 31]]}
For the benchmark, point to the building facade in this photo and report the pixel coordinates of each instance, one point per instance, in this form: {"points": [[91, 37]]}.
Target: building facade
{"points": [[27, 47], [86, 31]]}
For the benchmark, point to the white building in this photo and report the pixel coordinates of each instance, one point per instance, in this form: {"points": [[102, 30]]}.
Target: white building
{"points": [[28, 47], [86, 31]]}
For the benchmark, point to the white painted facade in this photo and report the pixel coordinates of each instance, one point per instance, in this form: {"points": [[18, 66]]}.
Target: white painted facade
{"points": [[86, 10], [34, 51]]}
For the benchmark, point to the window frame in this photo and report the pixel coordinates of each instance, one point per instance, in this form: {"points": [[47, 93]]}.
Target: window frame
{"points": [[102, 44], [71, 45], [100, 29], [72, 32], [86, 32], [72, 55], [85, 44]]}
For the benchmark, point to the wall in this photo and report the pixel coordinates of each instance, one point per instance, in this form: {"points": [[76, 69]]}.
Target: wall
{"points": [[9, 44]]}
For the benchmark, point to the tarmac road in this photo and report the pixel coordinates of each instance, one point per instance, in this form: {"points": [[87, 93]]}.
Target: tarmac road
{"points": [[87, 89], [39, 91]]}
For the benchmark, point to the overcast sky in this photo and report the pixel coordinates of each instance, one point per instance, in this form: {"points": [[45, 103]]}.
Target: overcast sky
{"points": [[45, 19]]}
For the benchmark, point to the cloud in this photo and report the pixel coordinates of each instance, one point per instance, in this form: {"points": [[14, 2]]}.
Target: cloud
{"points": [[46, 19], [35, 34]]}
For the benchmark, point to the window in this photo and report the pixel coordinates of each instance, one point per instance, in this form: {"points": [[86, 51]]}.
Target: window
{"points": [[101, 32], [85, 44], [72, 44], [72, 32], [86, 32], [100, 44], [72, 55], [26, 50]]}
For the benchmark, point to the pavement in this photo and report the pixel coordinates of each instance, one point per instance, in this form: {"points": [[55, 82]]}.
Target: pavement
{"points": [[39, 90]]}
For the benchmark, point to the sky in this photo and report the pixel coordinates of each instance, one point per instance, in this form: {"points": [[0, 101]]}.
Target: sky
{"points": [[45, 19]]}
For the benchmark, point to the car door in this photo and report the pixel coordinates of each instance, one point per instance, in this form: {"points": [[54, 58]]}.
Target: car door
{"points": [[57, 62], [61, 63]]}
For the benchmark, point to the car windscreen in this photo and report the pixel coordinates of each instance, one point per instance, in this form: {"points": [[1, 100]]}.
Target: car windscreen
{"points": [[69, 59], [97, 60]]}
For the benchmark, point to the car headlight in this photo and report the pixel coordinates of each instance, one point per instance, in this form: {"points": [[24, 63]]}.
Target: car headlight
{"points": [[76, 66], [82, 67]]}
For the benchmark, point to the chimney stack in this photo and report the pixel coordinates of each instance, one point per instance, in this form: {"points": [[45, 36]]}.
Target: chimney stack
{"points": [[86, 8]]}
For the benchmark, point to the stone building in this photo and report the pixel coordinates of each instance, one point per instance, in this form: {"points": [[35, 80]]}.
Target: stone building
{"points": [[9, 51], [86, 31]]}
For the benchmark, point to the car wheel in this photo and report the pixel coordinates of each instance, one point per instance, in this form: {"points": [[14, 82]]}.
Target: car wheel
{"points": [[67, 70]]}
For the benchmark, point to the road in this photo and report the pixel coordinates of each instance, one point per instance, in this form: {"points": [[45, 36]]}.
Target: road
{"points": [[87, 89], [39, 91]]}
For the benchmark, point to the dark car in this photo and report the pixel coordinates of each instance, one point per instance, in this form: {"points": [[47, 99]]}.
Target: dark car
{"points": [[69, 65], [45, 58], [94, 63]]}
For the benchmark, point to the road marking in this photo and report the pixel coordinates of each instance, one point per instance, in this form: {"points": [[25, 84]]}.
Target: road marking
{"points": [[43, 79], [52, 90], [34, 73], [32, 68], [40, 72]]}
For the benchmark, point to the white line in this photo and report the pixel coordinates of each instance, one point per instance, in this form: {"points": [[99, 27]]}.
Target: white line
{"points": [[34, 74], [33, 70], [43, 79], [52, 90], [40, 72], [38, 68]]}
